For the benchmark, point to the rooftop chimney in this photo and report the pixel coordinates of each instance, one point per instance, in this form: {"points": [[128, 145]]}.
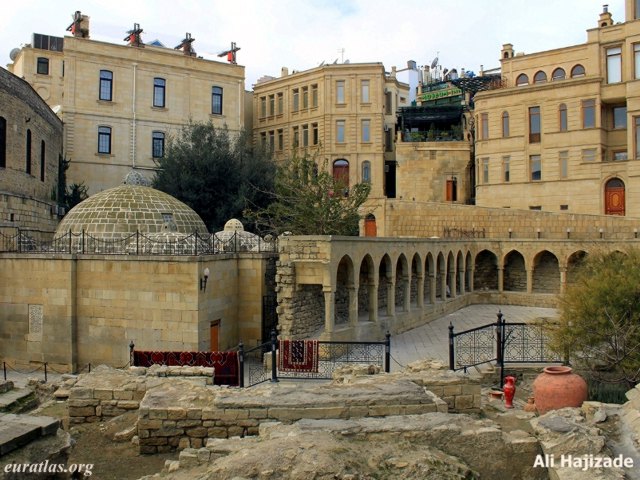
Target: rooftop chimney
{"points": [[284, 72]]}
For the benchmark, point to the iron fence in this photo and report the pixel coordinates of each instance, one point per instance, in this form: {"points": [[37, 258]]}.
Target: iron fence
{"points": [[138, 243]]}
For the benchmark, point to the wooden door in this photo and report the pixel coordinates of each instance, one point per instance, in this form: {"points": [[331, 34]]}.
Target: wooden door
{"points": [[213, 335], [614, 197], [370, 229]]}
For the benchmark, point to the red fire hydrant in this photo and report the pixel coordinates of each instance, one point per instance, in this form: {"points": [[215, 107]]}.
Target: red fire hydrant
{"points": [[509, 390]]}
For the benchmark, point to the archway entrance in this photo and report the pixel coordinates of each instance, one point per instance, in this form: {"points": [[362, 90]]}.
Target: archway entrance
{"points": [[614, 200]]}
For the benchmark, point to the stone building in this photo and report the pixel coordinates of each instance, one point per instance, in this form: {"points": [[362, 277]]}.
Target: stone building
{"points": [[342, 114], [30, 150], [119, 103], [563, 134]]}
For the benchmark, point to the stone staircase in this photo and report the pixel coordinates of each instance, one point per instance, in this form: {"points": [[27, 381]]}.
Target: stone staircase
{"points": [[19, 430], [16, 400]]}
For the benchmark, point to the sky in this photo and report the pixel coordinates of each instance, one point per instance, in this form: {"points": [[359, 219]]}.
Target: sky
{"points": [[300, 34]]}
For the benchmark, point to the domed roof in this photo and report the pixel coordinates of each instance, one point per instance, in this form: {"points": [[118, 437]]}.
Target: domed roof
{"points": [[120, 211]]}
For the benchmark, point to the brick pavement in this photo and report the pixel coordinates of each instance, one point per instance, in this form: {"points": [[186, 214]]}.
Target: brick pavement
{"points": [[432, 340]]}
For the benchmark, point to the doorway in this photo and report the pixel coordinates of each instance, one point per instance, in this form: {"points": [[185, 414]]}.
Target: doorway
{"points": [[614, 197], [214, 331]]}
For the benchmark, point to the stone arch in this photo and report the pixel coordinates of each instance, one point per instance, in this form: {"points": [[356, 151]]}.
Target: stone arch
{"points": [[344, 284], [429, 271], [515, 273], [416, 274], [385, 270], [574, 263], [485, 273], [546, 273], [402, 282], [366, 280], [468, 270]]}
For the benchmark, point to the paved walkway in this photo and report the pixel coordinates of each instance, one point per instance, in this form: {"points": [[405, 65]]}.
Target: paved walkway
{"points": [[432, 340]]}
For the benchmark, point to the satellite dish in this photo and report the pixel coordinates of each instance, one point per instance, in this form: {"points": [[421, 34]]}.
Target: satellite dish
{"points": [[434, 64], [347, 61], [14, 54], [321, 63], [335, 61]]}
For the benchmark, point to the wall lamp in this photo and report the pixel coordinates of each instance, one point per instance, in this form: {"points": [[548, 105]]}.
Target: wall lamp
{"points": [[635, 233], [568, 233], [203, 280], [510, 232], [601, 233]]}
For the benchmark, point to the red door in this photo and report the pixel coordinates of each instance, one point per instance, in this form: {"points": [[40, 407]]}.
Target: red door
{"points": [[370, 229], [614, 201]]}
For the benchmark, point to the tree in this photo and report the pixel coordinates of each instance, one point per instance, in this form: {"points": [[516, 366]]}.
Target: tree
{"points": [[214, 172], [70, 195], [309, 201], [600, 317]]}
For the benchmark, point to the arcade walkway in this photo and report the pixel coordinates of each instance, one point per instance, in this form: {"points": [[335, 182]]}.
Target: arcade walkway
{"points": [[432, 340]]}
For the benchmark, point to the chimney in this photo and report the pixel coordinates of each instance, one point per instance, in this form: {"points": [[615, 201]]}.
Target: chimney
{"points": [[284, 72], [606, 20], [80, 25]]}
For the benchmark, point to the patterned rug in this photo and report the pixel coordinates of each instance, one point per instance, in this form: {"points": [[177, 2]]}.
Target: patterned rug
{"points": [[298, 356]]}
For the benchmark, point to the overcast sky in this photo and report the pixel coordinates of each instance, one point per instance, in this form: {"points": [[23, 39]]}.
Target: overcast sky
{"points": [[299, 34]]}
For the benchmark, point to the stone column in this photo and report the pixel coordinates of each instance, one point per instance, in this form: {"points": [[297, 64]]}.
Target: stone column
{"points": [[453, 289], [329, 309], [563, 279], [461, 280], [373, 301], [470, 279], [432, 287], [420, 296], [391, 297], [406, 287], [353, 305], [529, 280], [501, 279], [443, 286]]}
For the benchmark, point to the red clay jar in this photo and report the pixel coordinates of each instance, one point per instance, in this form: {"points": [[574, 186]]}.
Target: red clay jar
{"points": [[558, 387]]}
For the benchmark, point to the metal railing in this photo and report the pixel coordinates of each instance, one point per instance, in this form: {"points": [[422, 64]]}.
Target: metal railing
{"points": [[137, 243]]}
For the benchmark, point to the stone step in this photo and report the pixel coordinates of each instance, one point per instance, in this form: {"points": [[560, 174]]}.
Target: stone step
{"points": [[18, 430], [18, 400]]}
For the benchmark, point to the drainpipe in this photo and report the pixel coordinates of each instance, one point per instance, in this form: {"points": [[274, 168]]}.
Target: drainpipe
{"points": [[240, 104], [133, 125]]}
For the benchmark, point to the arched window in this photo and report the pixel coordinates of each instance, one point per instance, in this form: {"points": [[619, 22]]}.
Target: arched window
{"points": [[3, 142], [540, 77], [614, 197], [28, 152], [216, 100], [522, 80], [157, 145], [106, 86], [366, 171], [558, 74], [341, 174], [577, 71], [562, 113], [42, 159], [505, 124]]}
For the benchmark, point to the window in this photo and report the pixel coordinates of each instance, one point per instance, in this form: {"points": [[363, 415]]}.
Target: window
{"points": [[485, 170], [305, 135], [366, 130], [341, 173], [340, 131], [564, 207], [280, 140], [388, 104], [314, 129], [505, 124], [3, 142], [296, 137], [106, 85], [158, 92], [562, 113], [364, 91], [589, 154], [272, 142], [484, 126], [28, 153], [636, 126], [534, 124], [43, 66], [636, 12], [43, 150], [314, 95], [104, 140], [558, 74], [535, 167], [620, 117], [305, 97], [620, 156], [506, 168], [272, 105], [614, 65], [296, 99], [588, 113], [577, 71], [388, 139], [263, 140], [216, 100], [563, 160], [263, 107], [636, 59], [540, 77], [280, 103], [366, 171], [340, 91], [522, 80], [157, 144]]}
